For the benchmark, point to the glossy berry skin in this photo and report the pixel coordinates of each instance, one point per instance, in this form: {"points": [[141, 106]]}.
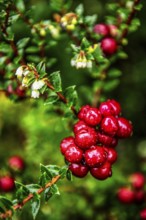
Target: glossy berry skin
{"points": [[7, 184], [78, 170], [110, 107], [109, 46], [109, 125], [65, 143], [125, 128], [111, 155], [79, 126], [86, 138], [16, 163], [126, 195], [103, 172], [137, 180], [92, 117], [95, 156], [83, 111], [114, 143], [73, 154], [143, 214], [101, 29], [104, 139]]}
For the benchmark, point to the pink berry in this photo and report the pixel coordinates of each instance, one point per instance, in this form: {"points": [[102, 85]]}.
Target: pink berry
{"points": [[16, 163], [143, 214], [83, 111], [109, 46], [101, 29], [104, 139], [78, 170], [65, 143], [86, 138], [95, 156], [125, 128], [73, 154], [7, 184], [111, 155], [126, 195], [103, 172], [80, 126], [137, 180], [109, 125]]}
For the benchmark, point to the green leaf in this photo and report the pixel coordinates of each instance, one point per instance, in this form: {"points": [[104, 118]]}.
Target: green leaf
{"points": [[69, 175], [6, 202], [33, 187], [47, 194], [71, 96], [42, 180], [114, 73], [79, 10], [55, 79], [91, 19], [23, 42], [23, 187], [75, 48], [111, 85], [138, 7], [85, 43], [55, 190], [63, 171], [35, 205], [44, 169], [51, 99], [32, 49], [20, 5], [13, 18], [41, 68]]}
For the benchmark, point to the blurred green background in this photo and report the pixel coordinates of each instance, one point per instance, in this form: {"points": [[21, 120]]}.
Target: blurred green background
{"points": [[33, 131]]}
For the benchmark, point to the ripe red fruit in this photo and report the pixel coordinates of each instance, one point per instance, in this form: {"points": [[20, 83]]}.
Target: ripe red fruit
{"points": [[103, 172], [137, 180], [79, 126], [109, 125], [104, 139], [65, 143], [73, 154], [92, 117], [125, 128], [20, 91], [109, 46], [111, 155], [126, 195], [110, 107], [139, 196], [7, 184], [114, 143], [143, 214], [16, 163], [86, 138], [101, 29], [78, 170], [95, 156], [83, 111]]}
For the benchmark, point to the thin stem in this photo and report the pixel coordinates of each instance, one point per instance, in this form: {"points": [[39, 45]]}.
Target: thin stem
{"points": [[9, 213]]}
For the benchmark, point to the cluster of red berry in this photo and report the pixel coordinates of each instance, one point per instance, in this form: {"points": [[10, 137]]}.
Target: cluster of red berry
{"points": [[15, 163], [96, 135], [108, 32], [134, 193]]}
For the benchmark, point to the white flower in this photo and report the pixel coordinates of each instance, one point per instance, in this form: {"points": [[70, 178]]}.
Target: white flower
{"points": [[25, 82], [19, 71], [26, 72], [73, 62], [35, 94], [89, 64], [38, 84]]}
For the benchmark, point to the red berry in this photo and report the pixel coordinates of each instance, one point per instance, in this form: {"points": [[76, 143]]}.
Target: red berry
{"points": [[7, 184], [126, 195], [125, 128], [92, 117], [83, 111], [20, 91], [78, 170], [73, 154], [139, 196], [65, 143], [137, 180], [101, 29], [103, 172], [143, 214], [86, 138], [80, 126], [16, 163], [109, 46], [114, 142], [113, 30], [105, 139], [95, 156], [110, 107], [111, 155], [109, 125]]}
